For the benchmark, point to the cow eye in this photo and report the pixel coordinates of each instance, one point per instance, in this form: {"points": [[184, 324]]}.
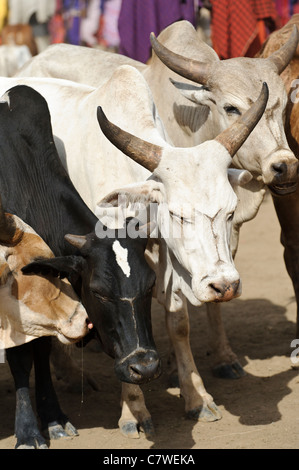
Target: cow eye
{"points": [[232, 110], [179, 218], [101, 297], [149, 291], [176, 216]]}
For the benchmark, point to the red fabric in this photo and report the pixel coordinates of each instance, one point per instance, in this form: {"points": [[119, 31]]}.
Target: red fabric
{"points": [[235, 26], [56, 24], [283, 11]]}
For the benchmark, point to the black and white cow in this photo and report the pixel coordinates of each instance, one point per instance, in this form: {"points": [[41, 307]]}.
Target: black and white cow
{"points": [[110, 276]]}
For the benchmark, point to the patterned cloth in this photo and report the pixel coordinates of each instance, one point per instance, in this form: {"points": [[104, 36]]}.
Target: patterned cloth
{"points": [[238, 26], [90, 23], [73, 10], [56, 25], [138, 18], [286, 9], [110, 26]]}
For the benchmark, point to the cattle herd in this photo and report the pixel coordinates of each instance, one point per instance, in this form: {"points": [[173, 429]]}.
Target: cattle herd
{"points": [[121, 181]]}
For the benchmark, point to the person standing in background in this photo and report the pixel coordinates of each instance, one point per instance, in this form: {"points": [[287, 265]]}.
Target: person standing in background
{"points": [[138, 18], [239, 27]]}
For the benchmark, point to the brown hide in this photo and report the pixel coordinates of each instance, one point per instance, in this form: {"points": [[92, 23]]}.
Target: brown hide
{"points": [[291, 72], [19, 34], [287, 207], [33, 306]]}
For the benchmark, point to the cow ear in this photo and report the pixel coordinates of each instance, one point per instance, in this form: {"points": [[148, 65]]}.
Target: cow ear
{"points": [[145, 192], [62, 266], [239, 177], [195, 93]]}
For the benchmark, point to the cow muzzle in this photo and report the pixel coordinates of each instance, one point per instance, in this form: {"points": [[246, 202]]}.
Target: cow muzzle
{"points": [[76, 327], [224, 292], [282, 175], [217, 289], [139, 367]]}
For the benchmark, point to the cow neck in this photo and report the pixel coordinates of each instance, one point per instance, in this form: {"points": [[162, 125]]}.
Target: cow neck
{"points": [[45, 198]]}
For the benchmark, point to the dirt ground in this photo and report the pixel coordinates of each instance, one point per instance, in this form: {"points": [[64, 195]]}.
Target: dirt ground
{"points": [[260, 411]]}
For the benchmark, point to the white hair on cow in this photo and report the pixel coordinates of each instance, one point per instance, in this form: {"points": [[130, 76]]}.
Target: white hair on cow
{"points": [[5, 98], [121, 255]]}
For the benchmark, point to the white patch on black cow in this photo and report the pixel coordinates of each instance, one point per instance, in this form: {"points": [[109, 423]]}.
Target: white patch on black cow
{"points": [[121, 255], [5, 99]]}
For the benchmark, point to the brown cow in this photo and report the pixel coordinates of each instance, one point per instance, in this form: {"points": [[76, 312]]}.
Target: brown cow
{"points": [[32, 307], [287, 208], [19, 34]]}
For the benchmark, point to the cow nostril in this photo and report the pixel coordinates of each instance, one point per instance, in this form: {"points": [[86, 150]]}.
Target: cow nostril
{"points": [[279, 168], [147, 370], [136, 369], [217, 288], [224, 290]]}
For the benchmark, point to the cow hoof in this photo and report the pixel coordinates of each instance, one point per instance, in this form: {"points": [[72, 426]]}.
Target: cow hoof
{"points": [[57, 430], [25, 446], [229, 371], [129, 429], [148, 428], [70, 429], [205, 413], [32, 443]]}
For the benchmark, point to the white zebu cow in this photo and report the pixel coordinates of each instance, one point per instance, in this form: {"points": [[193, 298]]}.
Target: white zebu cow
{"points": [[199, 268], [228, 88]]}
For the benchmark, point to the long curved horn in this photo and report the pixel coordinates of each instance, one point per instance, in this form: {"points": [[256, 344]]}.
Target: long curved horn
{"points": [[7, 226], [284, 55], [194, 70], [146, 154], [233, 137]]}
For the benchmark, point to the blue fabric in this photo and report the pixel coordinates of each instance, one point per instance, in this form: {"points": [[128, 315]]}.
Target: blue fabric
{"points": [[138, 18]]}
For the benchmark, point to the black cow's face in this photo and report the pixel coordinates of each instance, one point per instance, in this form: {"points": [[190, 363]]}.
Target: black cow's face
{"points": [[115, 284], [117, 292]]}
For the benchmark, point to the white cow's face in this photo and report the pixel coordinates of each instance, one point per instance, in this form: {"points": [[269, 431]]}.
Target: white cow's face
{"points": [[191, 202], [231, 90], [195, 217]]}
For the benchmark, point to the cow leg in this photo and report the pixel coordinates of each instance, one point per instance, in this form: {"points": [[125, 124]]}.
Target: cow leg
{"points": [[20, 360], [198, 403], [287, 210], [134, 414], [53, 421], [226, 362], [291, 257]]}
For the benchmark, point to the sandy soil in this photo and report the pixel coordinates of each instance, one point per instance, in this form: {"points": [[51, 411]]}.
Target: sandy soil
{"points": [[260, 411]]}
